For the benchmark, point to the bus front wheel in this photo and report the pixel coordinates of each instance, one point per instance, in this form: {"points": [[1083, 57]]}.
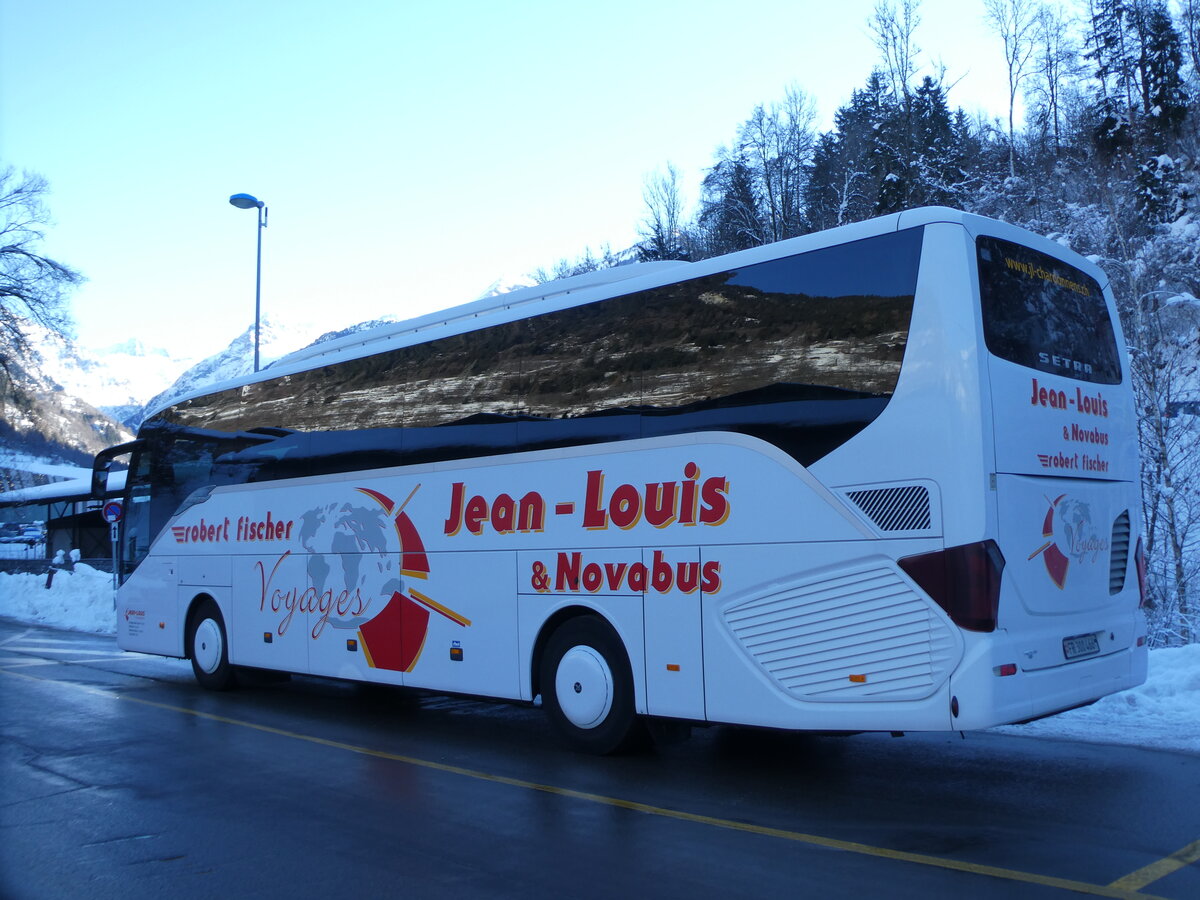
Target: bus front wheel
{"points": [[208, 648], [587, 687]]}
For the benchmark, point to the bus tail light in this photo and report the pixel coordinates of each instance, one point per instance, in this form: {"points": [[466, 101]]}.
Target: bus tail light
{"points": [[1139, 560], [964, 581]]}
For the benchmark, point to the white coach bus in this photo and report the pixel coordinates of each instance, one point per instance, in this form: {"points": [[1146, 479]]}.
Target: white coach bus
{"points": [[883, 477]]}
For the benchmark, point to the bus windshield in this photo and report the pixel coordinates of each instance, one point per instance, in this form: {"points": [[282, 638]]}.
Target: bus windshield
{"points": [[171, 464]]}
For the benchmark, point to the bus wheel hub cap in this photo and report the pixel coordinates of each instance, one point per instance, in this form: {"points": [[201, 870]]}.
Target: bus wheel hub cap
{"points": [[584, 687], [207, 646]]}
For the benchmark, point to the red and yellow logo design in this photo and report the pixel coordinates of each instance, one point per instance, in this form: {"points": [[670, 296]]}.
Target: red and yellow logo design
{"points": [[1055, 560], [1071, 537], [395, 637]]}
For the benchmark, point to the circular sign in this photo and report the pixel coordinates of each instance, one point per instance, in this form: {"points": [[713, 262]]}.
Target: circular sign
{"points": [[112, 511]]}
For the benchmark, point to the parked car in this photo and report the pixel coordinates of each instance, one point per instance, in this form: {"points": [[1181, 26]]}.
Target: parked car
{"points": [[12, 533]]}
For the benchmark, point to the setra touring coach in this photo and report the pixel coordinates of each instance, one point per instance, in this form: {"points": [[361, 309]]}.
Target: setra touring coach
{"points": [[882, 477]]}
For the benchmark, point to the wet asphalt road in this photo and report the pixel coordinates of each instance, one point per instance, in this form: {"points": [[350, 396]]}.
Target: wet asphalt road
{"points": [[120, 777]]}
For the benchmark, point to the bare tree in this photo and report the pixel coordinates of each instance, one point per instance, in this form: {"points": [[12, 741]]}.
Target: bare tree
{"points": [[777, 142], [661, 227], [565, 268], [1015, 21], [1054, 63], [892, 30], [1164, 376], [1189, 24], [1156, 283], [33, 288]]}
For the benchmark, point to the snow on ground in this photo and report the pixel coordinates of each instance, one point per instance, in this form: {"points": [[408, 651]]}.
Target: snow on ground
{"points": [[81, 600], [1163, 713]]}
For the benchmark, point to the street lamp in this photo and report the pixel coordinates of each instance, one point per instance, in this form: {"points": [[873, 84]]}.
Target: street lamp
{"points": [[248, 201]]}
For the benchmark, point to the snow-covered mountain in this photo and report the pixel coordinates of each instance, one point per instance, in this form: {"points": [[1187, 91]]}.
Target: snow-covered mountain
{"points": [[40, 418], [117, 380], [500, 286], [66, 402], [276, 339], [353, 329], [62, 403], [506, 285]]}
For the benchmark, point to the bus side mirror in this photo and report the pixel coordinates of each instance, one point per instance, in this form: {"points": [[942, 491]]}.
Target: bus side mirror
{"points": [[103, 462]]}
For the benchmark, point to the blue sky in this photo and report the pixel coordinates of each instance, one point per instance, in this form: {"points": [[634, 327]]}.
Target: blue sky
{"points": [[410, 153]]}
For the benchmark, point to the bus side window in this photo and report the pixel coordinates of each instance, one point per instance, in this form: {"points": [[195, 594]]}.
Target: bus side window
{"points": [[835, 319]]}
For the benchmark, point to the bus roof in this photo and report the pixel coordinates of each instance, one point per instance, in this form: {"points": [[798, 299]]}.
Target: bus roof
{"points": [[477, 308], [576, 290]]}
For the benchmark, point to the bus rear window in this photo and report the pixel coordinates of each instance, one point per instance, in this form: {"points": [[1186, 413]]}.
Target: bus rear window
{"points": [[1042, 313]]}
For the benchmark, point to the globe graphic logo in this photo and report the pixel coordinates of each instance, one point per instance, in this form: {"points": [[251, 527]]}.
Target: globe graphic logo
{"points": [[351, 549], [1070, 535]]}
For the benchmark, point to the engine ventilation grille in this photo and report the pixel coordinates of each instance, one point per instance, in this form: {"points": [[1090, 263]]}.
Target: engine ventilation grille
{"points": [[1118, 560], [850, 635], [895, 508]]}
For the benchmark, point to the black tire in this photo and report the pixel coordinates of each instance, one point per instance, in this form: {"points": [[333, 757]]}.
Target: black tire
{"points": [[208, 648], [585, 658]]}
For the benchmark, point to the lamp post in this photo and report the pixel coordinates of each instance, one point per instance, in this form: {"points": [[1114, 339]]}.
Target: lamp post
{"points": [[248, 201]]}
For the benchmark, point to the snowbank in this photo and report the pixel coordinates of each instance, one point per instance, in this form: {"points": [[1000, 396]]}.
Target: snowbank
{"points": [[1163, 713], [81, 600]]}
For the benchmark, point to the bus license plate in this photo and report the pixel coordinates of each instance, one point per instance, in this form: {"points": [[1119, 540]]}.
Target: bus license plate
{"points": [[1080, 645]]}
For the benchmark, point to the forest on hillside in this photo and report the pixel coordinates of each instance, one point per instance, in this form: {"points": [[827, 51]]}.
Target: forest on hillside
{"points": [[1098, 148]]}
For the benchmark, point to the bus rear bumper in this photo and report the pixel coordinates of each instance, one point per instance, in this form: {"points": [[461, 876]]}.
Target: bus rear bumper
{"points": [[998, 699]]}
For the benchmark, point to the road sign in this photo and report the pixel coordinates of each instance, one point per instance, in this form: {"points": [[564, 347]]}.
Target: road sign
{"points": [[112, 511]]}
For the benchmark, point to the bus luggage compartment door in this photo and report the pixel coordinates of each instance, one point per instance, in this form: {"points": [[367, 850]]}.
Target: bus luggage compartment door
{"points": [[674, 643]]}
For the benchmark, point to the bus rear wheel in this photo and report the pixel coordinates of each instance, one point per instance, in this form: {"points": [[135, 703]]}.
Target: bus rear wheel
{"points": [[208, 648], [587, 687]]}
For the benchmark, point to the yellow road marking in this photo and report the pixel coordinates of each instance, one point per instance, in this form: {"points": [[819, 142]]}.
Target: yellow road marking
{"points": [[1135, 881], [1116, 889]]}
